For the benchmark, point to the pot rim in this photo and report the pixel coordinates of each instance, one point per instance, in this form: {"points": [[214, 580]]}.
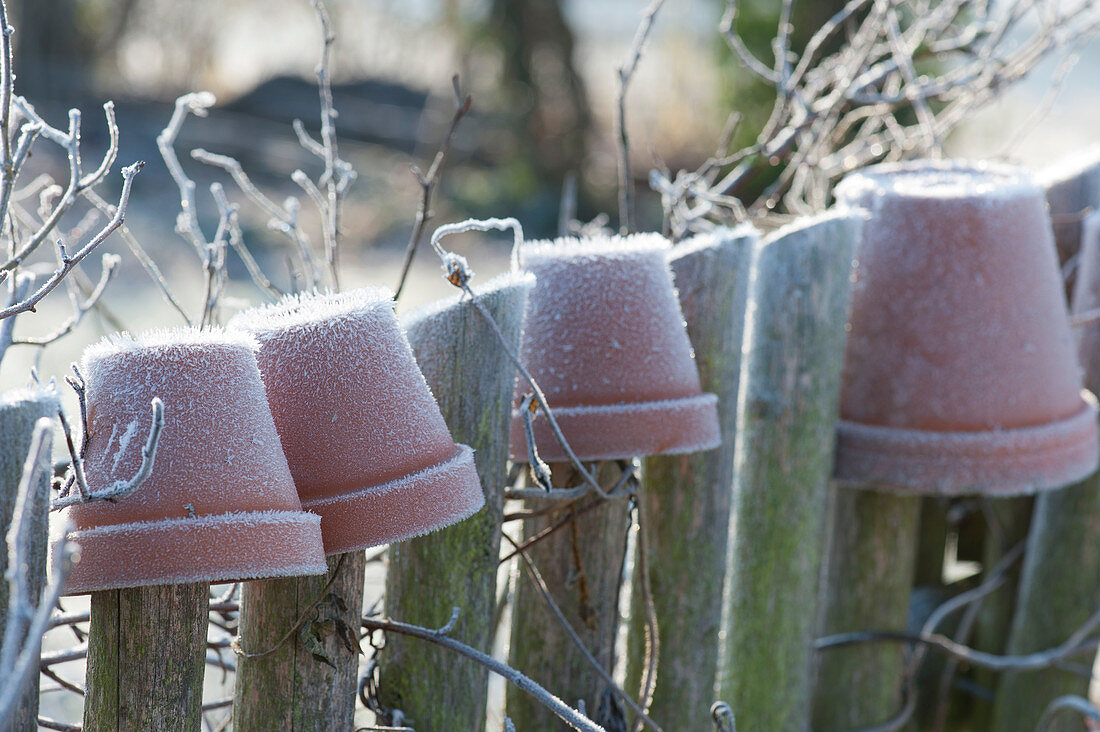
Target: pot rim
{"points": [[1013, 461]]}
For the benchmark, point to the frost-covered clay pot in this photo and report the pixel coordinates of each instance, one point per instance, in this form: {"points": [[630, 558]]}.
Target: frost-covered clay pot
{"points": [[364, 437], [220, 502], [960, 374], [606, 342]]}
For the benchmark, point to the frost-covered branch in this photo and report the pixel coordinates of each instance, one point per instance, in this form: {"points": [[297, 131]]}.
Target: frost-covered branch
{"points": [[28, 618], [626, 74], [428, 183], [284, 219], [120, 488], [877, 82], [187, 223], [338, 173], [567, 714], [68, 261], [80, 306], [78, 183], [457, 271]]}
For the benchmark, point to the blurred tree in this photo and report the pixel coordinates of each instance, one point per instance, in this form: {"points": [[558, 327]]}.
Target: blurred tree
{"points": [[61, 43], [54, 56], [543, 94]]}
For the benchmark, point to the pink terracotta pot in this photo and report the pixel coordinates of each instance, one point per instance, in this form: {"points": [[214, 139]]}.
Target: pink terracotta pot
{"points": [[960, 374], [220, 502], [606, 342], [364, 437]]}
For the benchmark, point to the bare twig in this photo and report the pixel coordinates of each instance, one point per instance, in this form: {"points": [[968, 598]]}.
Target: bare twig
{"points": [[540, 585], [27, 622], [338, 174], [68, 261], [147, 262], [78, 183], [458, 273], [840, 102], [187, 224], [80, 307], [652, 633], [626, 73], [120, 488], [284, 219], [1068, 703], [564, 712], [428, 183]]}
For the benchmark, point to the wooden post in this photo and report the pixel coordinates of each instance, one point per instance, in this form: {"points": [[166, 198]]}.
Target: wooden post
{"points": [[1060, 578], [146, 657], [1072, 187], [19, 412], [931, 542], [307, 682], [582, 564], [787, 413], [473, 379], [868, 577], [687, 497], [1012, 517]]}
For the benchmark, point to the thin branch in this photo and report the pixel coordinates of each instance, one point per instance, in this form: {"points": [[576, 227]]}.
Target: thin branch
{"points": [[187, 224], [428, 184], [338, 174], [458, 273], [1066, 703], [120, 488], [626, 74], [284, 218], [147, 262], [110, 267], [564, 712], [540, 585], [70, 261]]}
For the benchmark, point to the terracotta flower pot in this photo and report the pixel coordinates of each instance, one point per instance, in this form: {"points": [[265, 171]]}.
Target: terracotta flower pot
{"points": [[605, 339], [363, 435], [220, 502], [960, 374]]}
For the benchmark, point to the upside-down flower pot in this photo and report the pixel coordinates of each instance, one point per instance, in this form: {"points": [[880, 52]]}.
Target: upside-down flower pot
{"points": [[363, 435], [960, 371], [220, 502], [606, 342]]}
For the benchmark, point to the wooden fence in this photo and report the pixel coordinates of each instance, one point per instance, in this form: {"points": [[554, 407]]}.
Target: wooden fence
{"points": [[736, 561]]}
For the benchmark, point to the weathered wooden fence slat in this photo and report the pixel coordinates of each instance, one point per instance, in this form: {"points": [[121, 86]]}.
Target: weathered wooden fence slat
{"points": [[473, 380], [867, 579], [1060, 579], [1010, 521], [582, 564], [790, 384], [19, 413], [146, 657], [306, 681], [687, 497]]}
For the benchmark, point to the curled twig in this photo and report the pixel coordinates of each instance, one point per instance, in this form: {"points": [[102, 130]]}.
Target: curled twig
{"points": [[120, 488]]}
